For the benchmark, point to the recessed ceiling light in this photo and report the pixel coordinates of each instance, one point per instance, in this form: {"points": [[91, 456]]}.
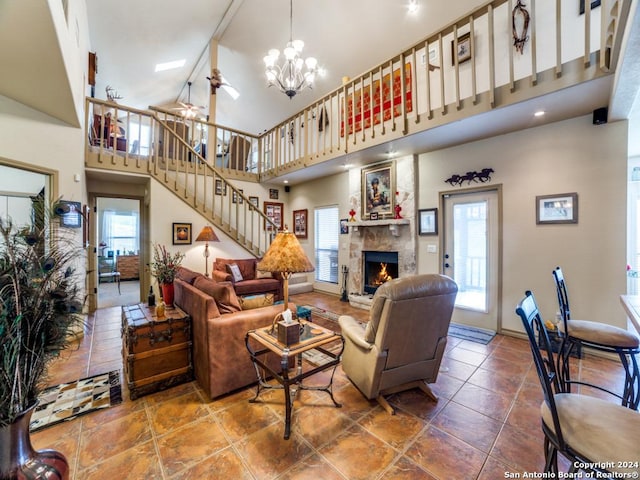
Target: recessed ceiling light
{"points": [[347, 166], [413, 6], [161, 67], [286, 181], [539, 113]]}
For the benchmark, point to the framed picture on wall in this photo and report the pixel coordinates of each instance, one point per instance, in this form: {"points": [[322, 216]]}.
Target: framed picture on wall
{"points": [[560, 208], [378, 190], [344, 226], [274, 193], [70, 214], [255, 201], [594, 4], [428, 221], [300, 223], [235, 198], [463, 52], [182, 234], [273, 211], [221, 187]]}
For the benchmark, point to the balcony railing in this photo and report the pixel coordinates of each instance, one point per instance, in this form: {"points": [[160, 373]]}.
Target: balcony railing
{"points": [[468, 67]]}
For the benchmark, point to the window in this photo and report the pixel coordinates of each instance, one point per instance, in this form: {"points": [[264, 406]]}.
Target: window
{"points": [[470, 254], [327, 233], [120, 231]]}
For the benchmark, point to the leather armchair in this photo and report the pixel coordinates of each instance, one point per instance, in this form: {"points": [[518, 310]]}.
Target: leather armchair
{"points": [[401, 346]]}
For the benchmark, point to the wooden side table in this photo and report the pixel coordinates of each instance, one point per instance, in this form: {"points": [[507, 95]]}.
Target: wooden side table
{"points": [[312, 337], [157, 352]]}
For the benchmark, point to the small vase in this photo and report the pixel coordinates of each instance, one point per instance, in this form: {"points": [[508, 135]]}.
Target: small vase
{"points": [[167, 294], [19, 460], [398, 209]]}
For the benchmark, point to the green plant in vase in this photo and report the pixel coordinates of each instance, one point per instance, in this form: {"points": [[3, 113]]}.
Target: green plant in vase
{"points": [[165, 267], [39, 313]]}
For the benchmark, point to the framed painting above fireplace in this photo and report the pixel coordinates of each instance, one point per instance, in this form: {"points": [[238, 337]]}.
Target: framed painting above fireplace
{"points": [[378, 190]]}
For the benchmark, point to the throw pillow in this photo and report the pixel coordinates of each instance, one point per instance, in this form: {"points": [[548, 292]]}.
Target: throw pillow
{"points": [[260, 274], [234, 271], [222, 292], [256, 301]]}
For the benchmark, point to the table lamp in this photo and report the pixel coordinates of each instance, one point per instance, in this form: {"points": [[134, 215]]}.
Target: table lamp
{"points": [[207, 235], [285, 256]]}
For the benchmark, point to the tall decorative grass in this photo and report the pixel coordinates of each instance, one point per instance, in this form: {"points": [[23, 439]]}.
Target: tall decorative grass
{"points": [[39, 308]]}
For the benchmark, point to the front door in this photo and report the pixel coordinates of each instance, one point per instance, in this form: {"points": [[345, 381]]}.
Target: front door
{"points": [[471, 255]]}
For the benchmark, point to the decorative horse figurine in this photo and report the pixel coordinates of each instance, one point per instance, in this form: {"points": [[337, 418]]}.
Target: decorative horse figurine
{"points": [[484, 175], [453, 180], [468, 177]]}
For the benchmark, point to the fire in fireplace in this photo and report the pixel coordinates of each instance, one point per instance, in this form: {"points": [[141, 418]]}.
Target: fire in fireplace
{"points": [[379, 267]]}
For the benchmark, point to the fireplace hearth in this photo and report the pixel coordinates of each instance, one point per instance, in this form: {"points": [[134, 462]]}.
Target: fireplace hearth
{"points": [[379, 267]]}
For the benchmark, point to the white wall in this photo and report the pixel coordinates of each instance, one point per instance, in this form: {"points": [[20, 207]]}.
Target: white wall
{"points": [[165, 208], [323, 192], [569, 156]]}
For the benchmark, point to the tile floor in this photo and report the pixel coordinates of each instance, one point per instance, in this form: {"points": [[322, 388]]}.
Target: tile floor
{"points": [[485, 424]]}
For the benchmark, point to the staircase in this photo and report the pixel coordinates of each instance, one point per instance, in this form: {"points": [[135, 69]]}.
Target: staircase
{"points": [[170, 149]]}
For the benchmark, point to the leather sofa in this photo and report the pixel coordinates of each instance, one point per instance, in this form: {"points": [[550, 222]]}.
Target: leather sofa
{"points": [[220, 358], [252, 282]]}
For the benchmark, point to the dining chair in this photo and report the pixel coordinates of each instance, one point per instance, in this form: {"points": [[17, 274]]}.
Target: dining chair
{"points": [[598, 336], [597, 436]]}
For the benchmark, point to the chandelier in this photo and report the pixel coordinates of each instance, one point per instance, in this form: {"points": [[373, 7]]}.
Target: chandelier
{"points": [[291, 76]]}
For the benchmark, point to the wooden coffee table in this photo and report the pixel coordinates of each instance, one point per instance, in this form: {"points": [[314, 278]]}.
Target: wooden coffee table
{"points": [[312, 337]]}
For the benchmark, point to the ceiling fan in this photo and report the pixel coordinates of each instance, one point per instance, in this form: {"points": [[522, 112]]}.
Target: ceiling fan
{"points": [[188, 109]]}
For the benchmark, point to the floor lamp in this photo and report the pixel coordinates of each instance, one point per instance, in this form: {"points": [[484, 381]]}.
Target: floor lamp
{"points": [[207, 235]]}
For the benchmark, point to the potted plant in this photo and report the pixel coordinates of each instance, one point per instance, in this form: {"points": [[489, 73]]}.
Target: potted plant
{"points": [[165, 268], [39, 312]]}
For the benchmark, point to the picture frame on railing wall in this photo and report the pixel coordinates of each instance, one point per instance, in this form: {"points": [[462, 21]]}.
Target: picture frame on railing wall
{"points": [[462, 53], [235, 198], [594, 4], [255, 201]]}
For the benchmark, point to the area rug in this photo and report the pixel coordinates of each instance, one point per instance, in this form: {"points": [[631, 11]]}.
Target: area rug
{"points": [[69, 400], [479, 335], [473, 334]]}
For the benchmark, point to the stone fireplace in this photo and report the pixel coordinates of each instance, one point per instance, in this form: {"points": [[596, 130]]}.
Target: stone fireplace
{"points": [[382, 236], [378, 238]]}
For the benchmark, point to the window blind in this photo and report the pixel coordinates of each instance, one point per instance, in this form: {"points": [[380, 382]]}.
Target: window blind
{"points": [[327, 234]]}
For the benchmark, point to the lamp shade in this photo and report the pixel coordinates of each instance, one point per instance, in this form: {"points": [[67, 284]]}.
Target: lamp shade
{"points": [[285, 254], [207, 235]]}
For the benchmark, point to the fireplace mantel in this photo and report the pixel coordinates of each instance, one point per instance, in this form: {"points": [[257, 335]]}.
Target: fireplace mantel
{"points": [[392, 223]]}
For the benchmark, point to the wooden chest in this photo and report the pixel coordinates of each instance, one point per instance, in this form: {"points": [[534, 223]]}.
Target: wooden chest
{"points": [[157, 353]]}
